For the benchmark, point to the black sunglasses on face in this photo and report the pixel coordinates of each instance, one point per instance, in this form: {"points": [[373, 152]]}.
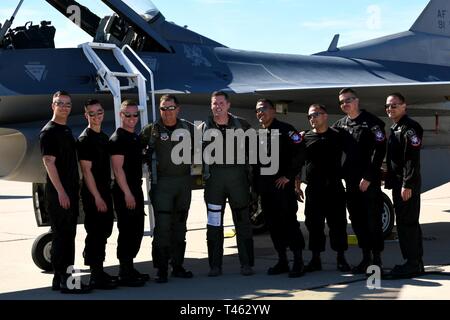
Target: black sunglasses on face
{"points": [[262, 109], [393, 105], [96, 113], [346, 101], [129, 115], [314, 115], [62, 104], [169, 108]]}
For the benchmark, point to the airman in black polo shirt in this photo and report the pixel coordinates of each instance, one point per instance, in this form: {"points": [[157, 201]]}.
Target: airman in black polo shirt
{"points": [[364, 148], [61, 190], [126, 156], [96, 196], [404, 178]]}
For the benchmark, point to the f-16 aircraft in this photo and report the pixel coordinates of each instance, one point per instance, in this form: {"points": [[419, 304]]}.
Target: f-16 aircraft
{"points": [[135, 53]]}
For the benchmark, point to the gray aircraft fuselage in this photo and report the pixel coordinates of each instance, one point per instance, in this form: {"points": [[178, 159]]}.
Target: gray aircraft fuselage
{"points": [[28, 76], [195, 66]]}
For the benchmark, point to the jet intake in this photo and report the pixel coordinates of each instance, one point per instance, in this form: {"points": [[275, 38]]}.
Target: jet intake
{"points": [[13, 146]]}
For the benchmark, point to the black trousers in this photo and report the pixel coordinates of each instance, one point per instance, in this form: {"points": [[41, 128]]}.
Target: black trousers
{"points": [[98, 226], [280, 210], [64, 229], [129, 222], [408, 227], [326, 203], [366, 209]]}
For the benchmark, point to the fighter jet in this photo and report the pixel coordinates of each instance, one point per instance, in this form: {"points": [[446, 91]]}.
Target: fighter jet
{"points": [[135, 53]]}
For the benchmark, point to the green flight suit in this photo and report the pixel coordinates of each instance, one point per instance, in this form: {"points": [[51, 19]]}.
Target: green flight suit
{"points": [[170, 192], [228, 181]]}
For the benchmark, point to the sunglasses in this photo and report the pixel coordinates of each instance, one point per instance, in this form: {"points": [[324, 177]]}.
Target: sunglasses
{"points": [[93, 114], [346, 101], [393, 105], [314, 115], [129, 115], [262, 109], [169, 108], [62, 104]]}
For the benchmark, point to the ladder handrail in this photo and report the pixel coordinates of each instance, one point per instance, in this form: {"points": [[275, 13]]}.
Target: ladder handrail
{"points": [[112, 83], [152, 88], [152, 81]]}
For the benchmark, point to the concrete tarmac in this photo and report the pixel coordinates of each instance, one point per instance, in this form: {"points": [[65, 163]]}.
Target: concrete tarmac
{"points": [[21, 279]]}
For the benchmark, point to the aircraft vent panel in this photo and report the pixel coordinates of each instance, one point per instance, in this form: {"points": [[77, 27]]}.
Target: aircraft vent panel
{"points": [[13, 146]]}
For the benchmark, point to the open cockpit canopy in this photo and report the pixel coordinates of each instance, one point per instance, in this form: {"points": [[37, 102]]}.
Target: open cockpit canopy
{"points": [[131, 23]]}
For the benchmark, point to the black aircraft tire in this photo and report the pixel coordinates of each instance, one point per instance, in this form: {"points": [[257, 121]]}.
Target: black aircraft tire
{"points": [[388, 216], [40, 252]]}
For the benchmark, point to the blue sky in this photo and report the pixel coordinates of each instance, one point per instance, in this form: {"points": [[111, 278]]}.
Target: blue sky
{"points": [[283, 26]]}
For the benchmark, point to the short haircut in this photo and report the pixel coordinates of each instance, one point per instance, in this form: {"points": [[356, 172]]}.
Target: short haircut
{"points": [[91, 102], [61, 93], [128, 103], [169, 97], [399, 96], [319, 106], [348, 90], [266, 101], [220, 93]]}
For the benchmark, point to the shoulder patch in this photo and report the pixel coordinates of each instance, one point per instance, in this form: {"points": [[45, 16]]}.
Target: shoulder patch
{"points": [[378, 133], [164, 136], [295, 137], [413, 138]]}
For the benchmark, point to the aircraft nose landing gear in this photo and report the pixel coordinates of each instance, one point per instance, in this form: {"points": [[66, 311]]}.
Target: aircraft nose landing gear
{"points": [[40, 252]]}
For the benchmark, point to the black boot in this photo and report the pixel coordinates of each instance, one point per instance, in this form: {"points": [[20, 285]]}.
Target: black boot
{"points": [[377, 259], [298, 269], [422, 267], [410, 269], [366, 261], [342, 264], [315, 264], [180, 272], [161, 276], [143, 276], [128, 276], [101, 280], [282, 265], [69, 288], [56, 283]]}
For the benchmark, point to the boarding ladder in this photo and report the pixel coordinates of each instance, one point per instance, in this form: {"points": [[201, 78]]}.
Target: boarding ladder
{"points": [[108, 81]]}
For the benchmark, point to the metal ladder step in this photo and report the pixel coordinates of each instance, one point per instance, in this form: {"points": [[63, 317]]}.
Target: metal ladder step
{"points": [[124, 75]]}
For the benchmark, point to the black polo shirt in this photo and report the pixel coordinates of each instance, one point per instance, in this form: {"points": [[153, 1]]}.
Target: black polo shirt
{"points": [[364, 147], [403, 156], [57, 140], [128, 144], [323, 158], [93, 146]]}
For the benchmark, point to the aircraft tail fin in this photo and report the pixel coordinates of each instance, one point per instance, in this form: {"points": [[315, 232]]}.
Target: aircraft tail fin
{"points": [[435, 19]]}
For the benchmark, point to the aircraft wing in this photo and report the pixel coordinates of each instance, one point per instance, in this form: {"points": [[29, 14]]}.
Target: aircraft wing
{"points": [[423, 98]]}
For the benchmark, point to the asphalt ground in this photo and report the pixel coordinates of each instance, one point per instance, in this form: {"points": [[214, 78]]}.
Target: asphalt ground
{"points": [[20, 279]]}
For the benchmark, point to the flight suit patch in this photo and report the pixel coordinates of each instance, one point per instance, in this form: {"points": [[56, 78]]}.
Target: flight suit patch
{"points": [[295, 137], [413, 138], [379, 135], [164, 136]]}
